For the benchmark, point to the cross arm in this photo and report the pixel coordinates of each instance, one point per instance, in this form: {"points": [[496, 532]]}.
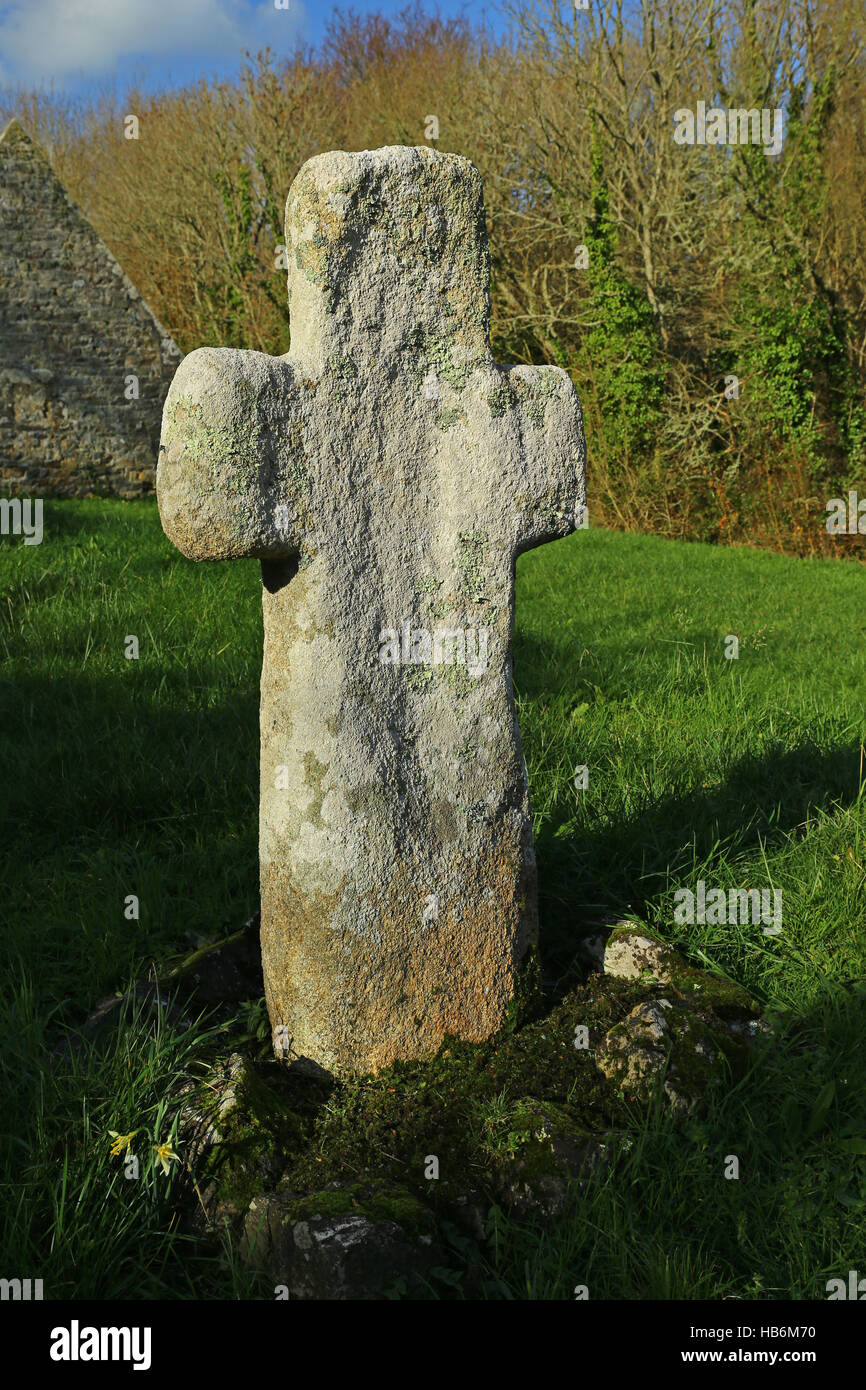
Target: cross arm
{"points": [[545, 468], [228, 483]]}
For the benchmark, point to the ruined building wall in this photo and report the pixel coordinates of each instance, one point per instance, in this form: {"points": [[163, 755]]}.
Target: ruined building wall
{"points": [[73, 330]]}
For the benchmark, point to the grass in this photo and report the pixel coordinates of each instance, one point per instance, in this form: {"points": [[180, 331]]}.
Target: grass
{"points": [[139, 778]]}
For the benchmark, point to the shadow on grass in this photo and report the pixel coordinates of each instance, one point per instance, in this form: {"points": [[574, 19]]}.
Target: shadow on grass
{"points": [[110, 788], [118, 760], [622, 866]]}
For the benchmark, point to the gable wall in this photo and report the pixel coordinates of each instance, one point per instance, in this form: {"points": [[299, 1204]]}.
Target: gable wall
{"points": [[72, 328]]}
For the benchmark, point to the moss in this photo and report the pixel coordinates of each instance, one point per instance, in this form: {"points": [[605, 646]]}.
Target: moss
{"points": [[255, 1139], [375, 1202], [694, 1054], [382, 1128], [527, 998], [523, 1132], [712, 991], [364, 1141], [703, 1056]]}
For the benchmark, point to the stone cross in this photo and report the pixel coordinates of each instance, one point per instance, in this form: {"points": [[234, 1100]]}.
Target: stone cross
{"points": [[387, 473]]}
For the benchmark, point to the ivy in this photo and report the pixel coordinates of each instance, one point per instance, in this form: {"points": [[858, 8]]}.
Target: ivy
{"points": [[622, 343]]}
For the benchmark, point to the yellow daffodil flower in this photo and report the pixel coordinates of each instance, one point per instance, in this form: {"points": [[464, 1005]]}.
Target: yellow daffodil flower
{"points": [[122, 1142], [164, 1153]]}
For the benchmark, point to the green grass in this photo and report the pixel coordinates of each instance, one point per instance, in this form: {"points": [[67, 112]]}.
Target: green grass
{"points": [[140, 778]]}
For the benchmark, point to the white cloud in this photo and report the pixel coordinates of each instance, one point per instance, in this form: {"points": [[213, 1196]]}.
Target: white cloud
{"points": [[67, 39]]}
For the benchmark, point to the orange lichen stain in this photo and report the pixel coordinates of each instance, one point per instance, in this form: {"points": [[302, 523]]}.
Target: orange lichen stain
{"points": [[408, 990], [299, 961], [454, 975]]}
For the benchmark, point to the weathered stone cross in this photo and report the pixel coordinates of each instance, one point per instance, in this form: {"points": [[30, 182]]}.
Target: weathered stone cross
{"points": [[387, 473]]}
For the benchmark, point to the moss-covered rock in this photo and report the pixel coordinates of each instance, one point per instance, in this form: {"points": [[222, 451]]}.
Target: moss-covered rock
{"points": [[237, 1133], [631, 952], [520, 1121], [541, 1156], [664, 1044], [352, 1243]]}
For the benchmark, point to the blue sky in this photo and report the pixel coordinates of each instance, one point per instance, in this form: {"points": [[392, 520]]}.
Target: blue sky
{"points": [[77, 45]]}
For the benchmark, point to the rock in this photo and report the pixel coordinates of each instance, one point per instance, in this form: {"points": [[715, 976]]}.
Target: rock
{"points": [[339, 1245], [627, 952], [471, 1211], [209, 1103], [667, 1043], [236, 1134], [590, 949], [548, 1155], [750, 1028], [629, 955]]}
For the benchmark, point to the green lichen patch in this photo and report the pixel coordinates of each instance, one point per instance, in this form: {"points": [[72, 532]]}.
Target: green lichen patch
{"points": [[434, 352], [457, 678], [446, 419], [444, 608], [499, 400], [342, 366], [471, 561], [228, 459], [533, 393], [418, 677], [314, 771]]}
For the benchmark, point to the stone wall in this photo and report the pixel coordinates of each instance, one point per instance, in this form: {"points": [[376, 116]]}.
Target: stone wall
{"points": [[73, 332]]}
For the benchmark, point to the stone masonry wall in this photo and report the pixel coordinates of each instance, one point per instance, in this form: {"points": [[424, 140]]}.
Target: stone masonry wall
{"points": [[73, 329]]}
